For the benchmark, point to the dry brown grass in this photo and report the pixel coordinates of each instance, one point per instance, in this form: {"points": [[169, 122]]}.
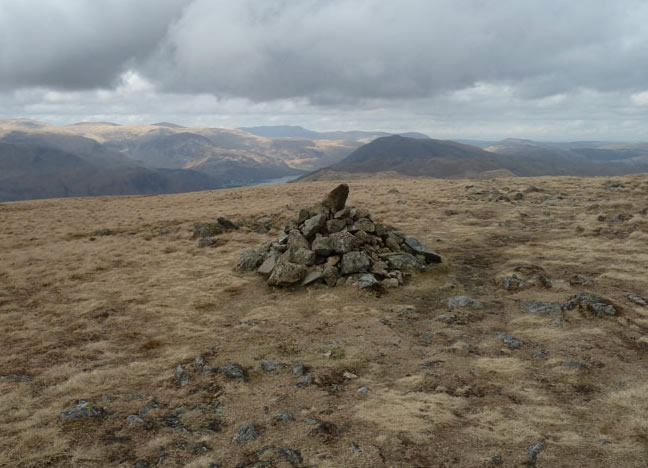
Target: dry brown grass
{"points": [[108, 320]]}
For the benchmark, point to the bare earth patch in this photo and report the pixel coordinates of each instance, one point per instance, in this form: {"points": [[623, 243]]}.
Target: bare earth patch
{"points": [[329, 377]]}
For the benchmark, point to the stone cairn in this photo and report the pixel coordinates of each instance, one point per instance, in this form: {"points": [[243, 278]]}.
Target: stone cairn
{"points": [[336, 244]]}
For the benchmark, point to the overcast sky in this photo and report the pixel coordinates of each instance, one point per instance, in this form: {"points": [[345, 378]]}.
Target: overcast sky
{"points": [[544, 69]]}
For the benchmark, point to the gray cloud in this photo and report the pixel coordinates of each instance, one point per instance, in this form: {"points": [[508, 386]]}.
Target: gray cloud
{"points": [[77, 44], [502, 67]]}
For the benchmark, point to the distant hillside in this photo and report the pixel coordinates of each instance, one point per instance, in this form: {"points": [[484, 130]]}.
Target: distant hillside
{"points": [[449, 159], [32, 172], [293, 131]]}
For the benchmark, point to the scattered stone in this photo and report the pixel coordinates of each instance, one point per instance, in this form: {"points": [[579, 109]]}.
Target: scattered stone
{"points": [[495, 461], [512, 283], [463, 301], [430, 255], [393, 190], [181, 376], [579, 280], [637, 299], [508, 339], [449, 212], [283, 416], [102, 232], [16, 377], [390, 283], [534, 450], [591, 302], [246, 433], [249, 260], [232, 370], [573, 364], [292, 456], [447, 318], [272, 366], [543, 308], [208, 242], [541, 354], [363, 391], [298, 369], [206, 230], [304, 381], [226, 224], [336, 198], [142, 464], [613, 184], [82, 410], [151, 404], [286, 274], [134, 419]]}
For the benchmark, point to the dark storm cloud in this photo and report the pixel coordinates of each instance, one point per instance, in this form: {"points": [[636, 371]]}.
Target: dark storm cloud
{"points": [[330, 51], [78, 44]]}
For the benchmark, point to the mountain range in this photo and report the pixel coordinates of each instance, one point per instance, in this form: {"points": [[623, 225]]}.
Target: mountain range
{"points": [[449, 159], [39, 160]]}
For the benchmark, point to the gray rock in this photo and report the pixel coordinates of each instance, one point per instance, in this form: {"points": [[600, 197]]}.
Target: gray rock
{"points": [[343, 213], [401, 261], [541, 354], [208, 242], [231, 370], [508, 339], [313, 225], [392, 242], [283, 416], [447, 318], [613, 184], [356, 262], [312, 277], [151, 404], [363, 224], [365, 281], [292, 456], [304, 381], [389, 283], [268, 265], [206, 230], [512, 283], [591, 302], [335, 225], [534, 450], [330, 274], [272, 366], [637, 299], [16, 377], [134, 419], [343, 242], [83, 410], [249, 260], [363, 391], [103, 232], [393, 190], [430, 255], [573, 364], [296, 240], [286, 274], [336, 198], [246, 433], [298, 369], [463, 301], [321, 246], [181, 376], [302, 256], [543, 308]]}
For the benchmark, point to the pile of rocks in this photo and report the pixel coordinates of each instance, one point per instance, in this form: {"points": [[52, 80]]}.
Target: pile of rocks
{"points": [[336, 244]]}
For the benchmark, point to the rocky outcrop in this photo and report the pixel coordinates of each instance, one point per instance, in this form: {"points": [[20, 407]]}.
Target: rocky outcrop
{"points": [[334, 244]]}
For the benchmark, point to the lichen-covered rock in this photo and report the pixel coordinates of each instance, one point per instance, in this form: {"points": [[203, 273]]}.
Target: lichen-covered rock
{"points": [[591, 302], [246, 433], [286, 274], [302, 256], [365, 281], [296, 240], [355, 262], [249, 260], [82, 410], [363, 224], [543, 308], [330, 274], [313, 225], [403, 260], [343, 242], [268, 265], [335, 225], [321, 246], [463, 301]]}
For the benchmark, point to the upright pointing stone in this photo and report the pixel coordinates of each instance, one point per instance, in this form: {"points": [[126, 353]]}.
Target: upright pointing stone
{"points": [[336, 199]]}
